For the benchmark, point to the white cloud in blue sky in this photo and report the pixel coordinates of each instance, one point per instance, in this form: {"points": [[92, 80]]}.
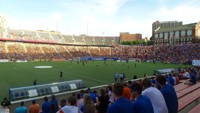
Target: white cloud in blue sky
{"points": [[103, 17]]}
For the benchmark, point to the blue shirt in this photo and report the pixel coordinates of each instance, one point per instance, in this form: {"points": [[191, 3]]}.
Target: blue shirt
{"points": [[170, 97], [93, 96], [121, 105], [171, 80], [142, 105], [21, 109], [193, 78], [46, 107]]}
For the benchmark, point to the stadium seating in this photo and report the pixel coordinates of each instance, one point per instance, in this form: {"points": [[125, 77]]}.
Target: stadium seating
{"points": [[196, 109], [188, 90], [68, 39], [188, 101], [180, 86]]}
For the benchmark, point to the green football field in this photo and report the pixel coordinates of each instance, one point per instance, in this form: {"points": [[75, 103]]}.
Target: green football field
{"points": [[93, 73]]}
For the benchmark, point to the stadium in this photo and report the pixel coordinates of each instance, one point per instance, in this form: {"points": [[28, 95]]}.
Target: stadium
{"points": [[37, 65]]}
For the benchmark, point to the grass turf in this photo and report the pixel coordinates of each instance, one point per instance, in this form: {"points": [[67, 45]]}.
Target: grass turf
{"points": [[93, 73]]}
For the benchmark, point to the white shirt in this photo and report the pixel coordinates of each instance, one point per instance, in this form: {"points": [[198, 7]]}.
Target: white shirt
{"points": [[69, 109], [80, 104], [157, 99], [174, 80]]}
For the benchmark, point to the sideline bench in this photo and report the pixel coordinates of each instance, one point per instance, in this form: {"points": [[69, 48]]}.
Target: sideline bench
{"points": [[188, 101], [187, 90], [196, 109]]}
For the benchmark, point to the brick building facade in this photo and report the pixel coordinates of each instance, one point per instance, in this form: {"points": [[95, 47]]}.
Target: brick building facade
{"points": [[174, 32], [130, 37]]}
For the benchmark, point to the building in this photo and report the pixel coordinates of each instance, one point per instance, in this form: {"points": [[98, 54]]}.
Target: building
{"points": [[174, 32], [125, 36]]}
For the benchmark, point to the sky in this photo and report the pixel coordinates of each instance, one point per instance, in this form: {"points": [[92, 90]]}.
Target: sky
{"points": [[97, 17]]}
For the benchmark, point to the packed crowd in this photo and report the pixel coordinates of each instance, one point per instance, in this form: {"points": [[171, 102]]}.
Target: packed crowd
{"points": [[168, 54], [147, 95]]}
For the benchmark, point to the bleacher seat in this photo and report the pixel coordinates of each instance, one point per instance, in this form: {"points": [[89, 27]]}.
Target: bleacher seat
{"points": [[187, 90], [185, 103], [196, 109], [180, 86]]}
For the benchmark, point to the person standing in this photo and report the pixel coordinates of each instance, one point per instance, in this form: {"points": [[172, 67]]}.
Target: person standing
{"points": [[141, 103], [70, 107], [34, 108], [155, 96], [21, 108], [169, 94], [35, 82], [116, 77], [46, 106], [102, 102], [89, 106], [61, 76], [54, 104]]}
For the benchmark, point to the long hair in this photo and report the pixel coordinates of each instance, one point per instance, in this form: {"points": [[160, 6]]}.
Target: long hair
{"points": [[88, 104]]}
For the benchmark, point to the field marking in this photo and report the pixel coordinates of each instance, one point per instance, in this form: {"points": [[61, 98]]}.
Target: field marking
{"points": [[77, 75], [43, 67]]}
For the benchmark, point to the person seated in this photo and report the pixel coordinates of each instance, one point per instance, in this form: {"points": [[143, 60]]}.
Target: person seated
{"points": [[192, 79]]}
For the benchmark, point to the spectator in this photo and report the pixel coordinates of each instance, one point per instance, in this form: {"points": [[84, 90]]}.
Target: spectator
{"points": [[63, 102], [169, 94], [129, 84], [177, 78], [127, 91], [171, 80], [110, 94], [21, 108], [34, 108], [155, 96], [102, 102], [121, 105], [174, 78], [46, 106], [80, 102], [141, 103], [88, 105], [70, 107], [192, 79], [93, 96], [54, 104]]}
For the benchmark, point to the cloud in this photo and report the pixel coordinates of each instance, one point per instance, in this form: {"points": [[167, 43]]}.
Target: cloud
{"points": [[56, 16], [108, 16], [187, 12]]}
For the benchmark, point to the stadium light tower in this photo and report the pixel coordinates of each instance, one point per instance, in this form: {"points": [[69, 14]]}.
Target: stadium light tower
{"points": [[57, 19], [87, 28]]}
